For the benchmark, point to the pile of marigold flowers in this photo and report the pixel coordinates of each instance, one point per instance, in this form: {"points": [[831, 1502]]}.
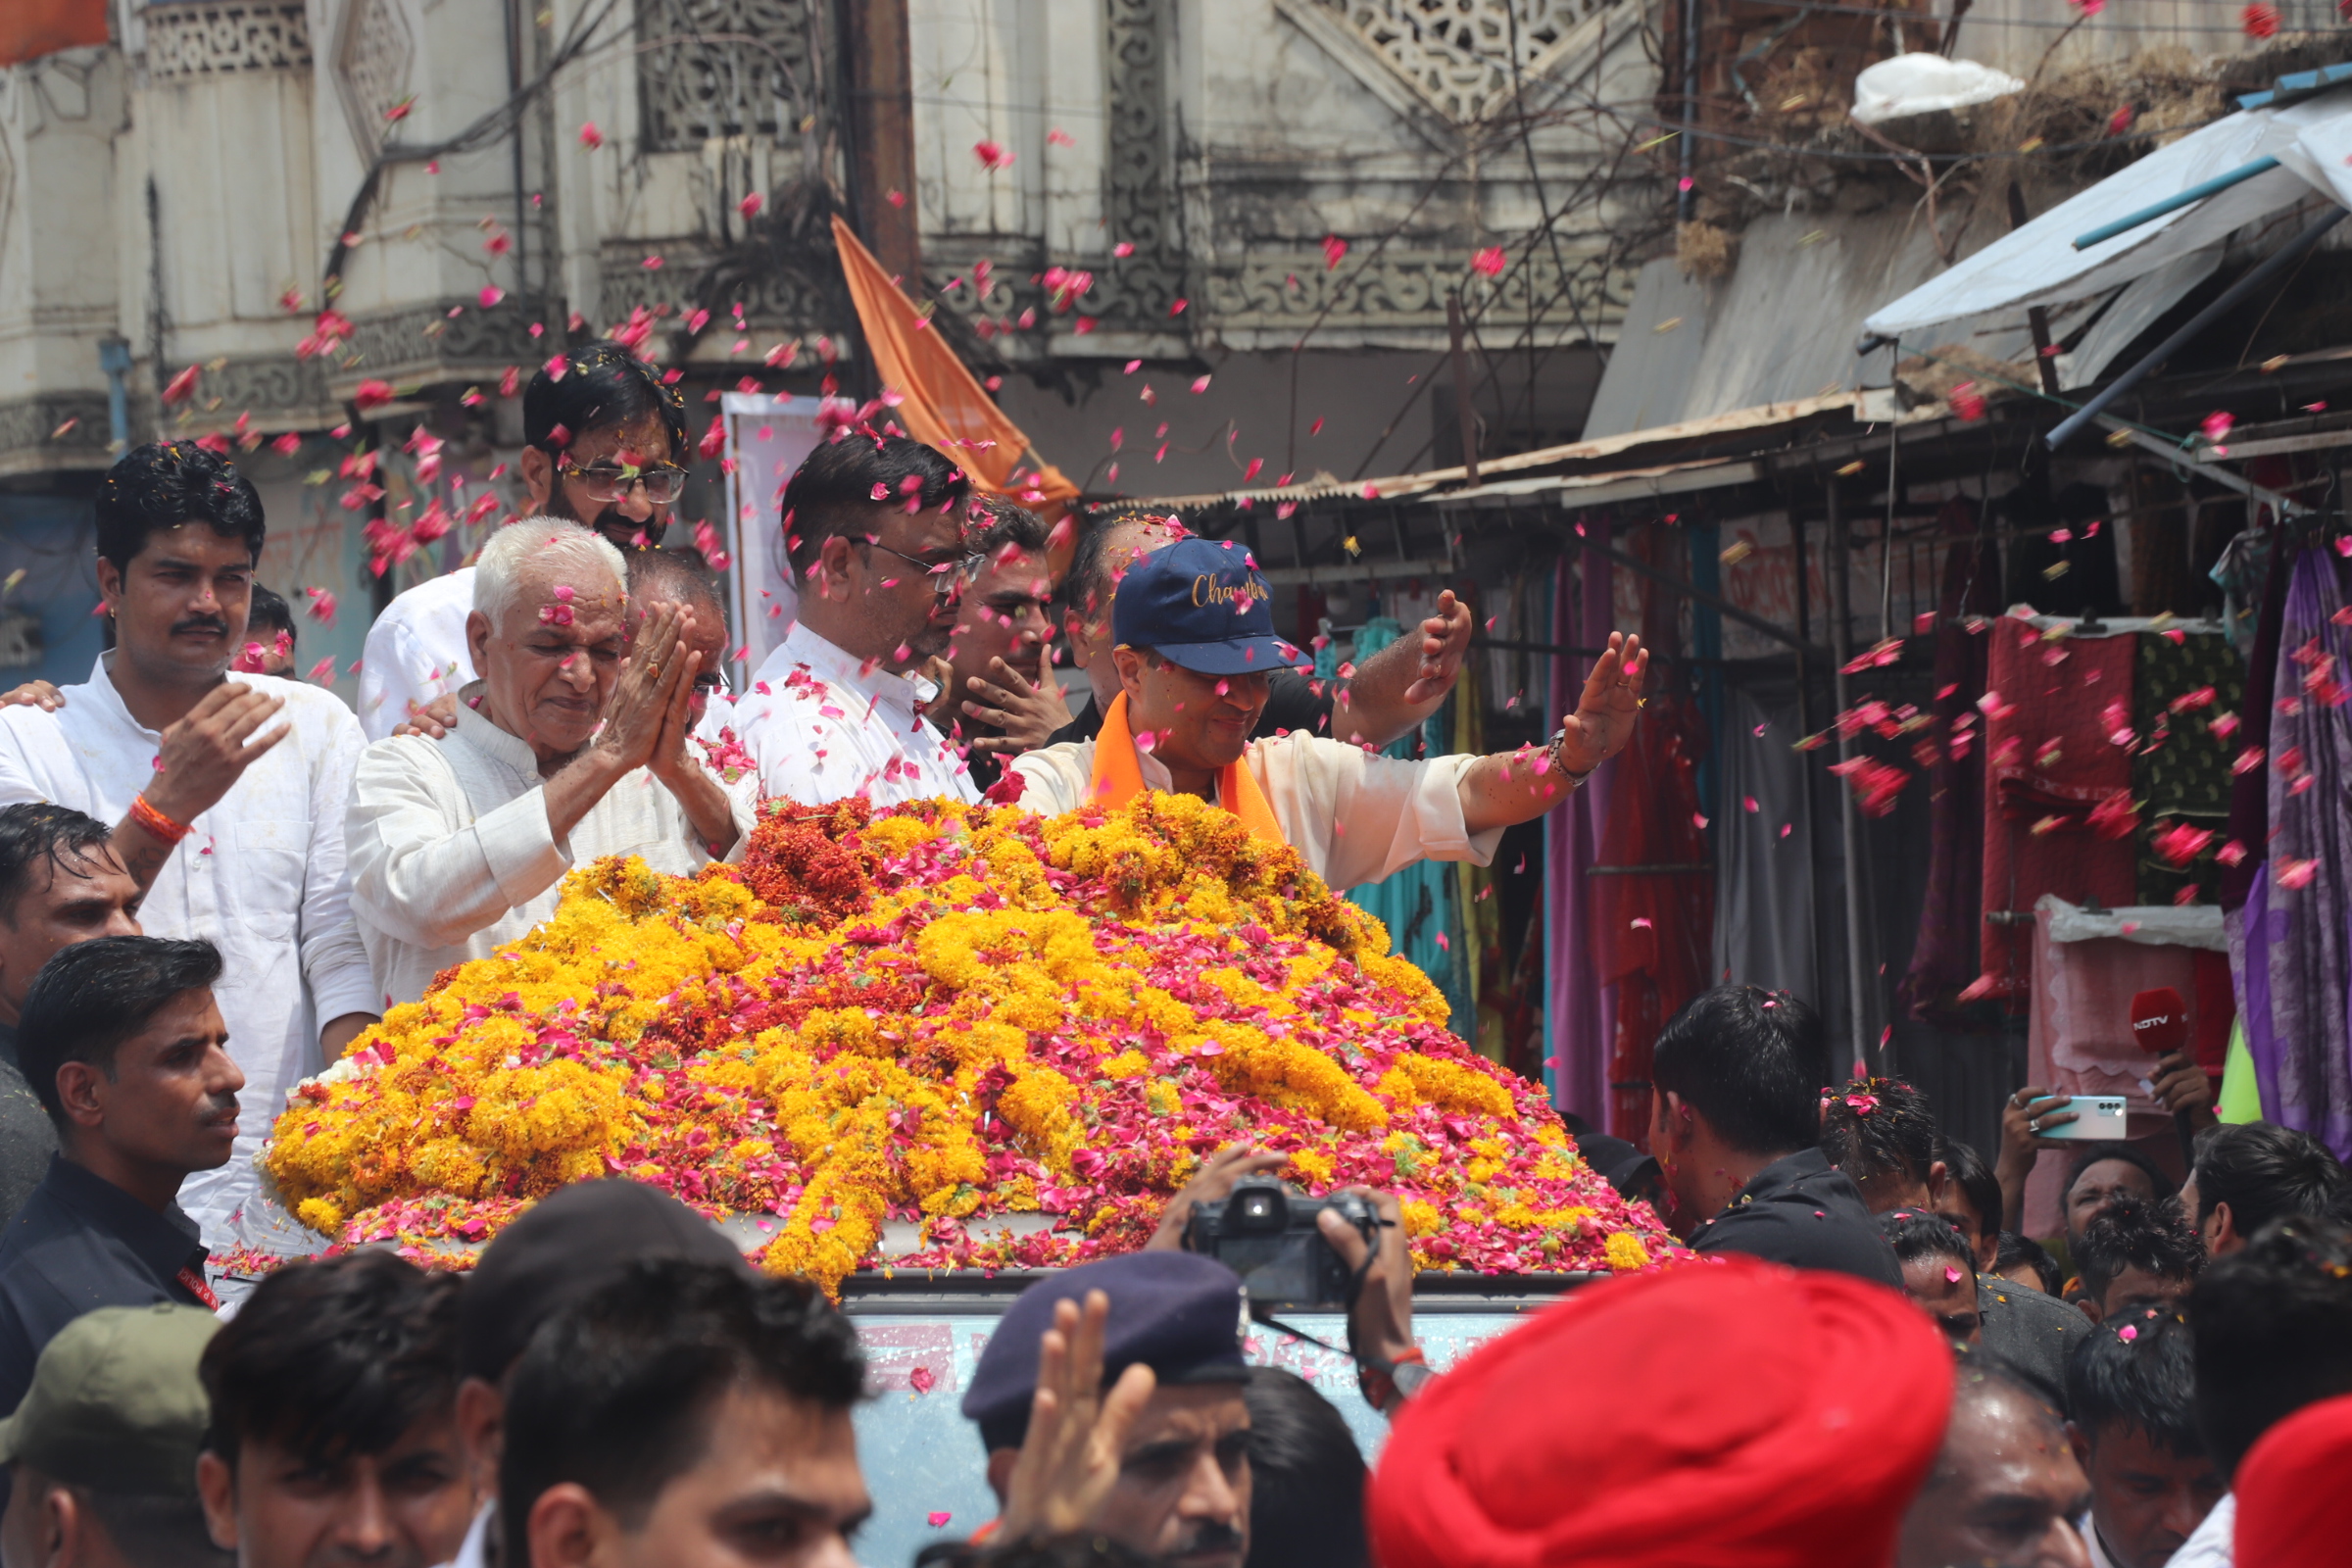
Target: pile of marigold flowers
{"points": [[938, 1014]]}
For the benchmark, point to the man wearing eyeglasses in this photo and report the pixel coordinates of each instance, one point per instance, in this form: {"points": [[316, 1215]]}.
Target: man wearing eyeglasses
{"points": [[603, 444], [874, 529]]}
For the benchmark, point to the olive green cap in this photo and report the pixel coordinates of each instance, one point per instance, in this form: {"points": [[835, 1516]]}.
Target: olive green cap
{"points": [[116, 1403]]}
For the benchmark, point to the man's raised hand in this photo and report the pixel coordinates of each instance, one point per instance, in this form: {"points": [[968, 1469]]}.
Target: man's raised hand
{"points": [[204, 754], [1077, 1431]]}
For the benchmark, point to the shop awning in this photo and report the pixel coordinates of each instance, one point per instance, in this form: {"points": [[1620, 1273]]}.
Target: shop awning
{"points": [[2042, 264]]}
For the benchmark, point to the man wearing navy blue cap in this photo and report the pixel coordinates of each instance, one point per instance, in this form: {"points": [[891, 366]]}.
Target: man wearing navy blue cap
{"points": [[1195, 646], [1161, 1349]]}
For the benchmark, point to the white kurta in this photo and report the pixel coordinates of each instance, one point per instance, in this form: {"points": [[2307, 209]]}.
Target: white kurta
{"points": [[822, 729], [1354, 817], [416, 652], [262, 876], [451, 853]]}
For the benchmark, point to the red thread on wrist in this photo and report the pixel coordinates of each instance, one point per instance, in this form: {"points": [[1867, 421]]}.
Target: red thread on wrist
{"points": [[156, 823]]}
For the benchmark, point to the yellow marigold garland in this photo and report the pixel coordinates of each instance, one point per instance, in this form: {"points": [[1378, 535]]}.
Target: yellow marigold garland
{"points": [[935, 1014]]}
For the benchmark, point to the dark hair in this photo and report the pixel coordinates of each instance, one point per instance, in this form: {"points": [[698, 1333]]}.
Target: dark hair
{"points": [[167, 483], [334, 1357], [36, 830], [1750, 1061], [152, 1530], [1090, 583], [2265, 1172], [1896, 1135], [832, 492], [2138, 1369], [1980, 1374], [2012, 1249], [2132, 1233], [271, 610], [91, 997], [2097, 1153], [1306, 1477], [673, 576], [612, 1391], [1979, 1186], [603, 384], [1916, 1233], [993, 522], [2274, 1331]]}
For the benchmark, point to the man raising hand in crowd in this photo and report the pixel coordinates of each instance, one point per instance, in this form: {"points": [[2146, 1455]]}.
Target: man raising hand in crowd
{"points": [[226, 796]]}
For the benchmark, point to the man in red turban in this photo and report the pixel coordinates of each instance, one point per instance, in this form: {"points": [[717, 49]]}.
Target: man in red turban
{"points": [[1725, 1415], [2292, 1506]]}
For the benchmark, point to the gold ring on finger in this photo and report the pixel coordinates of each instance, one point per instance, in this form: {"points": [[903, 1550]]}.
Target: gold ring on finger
{"points": [[653, 671]]}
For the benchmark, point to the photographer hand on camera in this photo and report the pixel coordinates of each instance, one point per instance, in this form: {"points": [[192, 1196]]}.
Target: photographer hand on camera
{"points": [[1343, 1252], [1380, 1323], [1213, 1183]]}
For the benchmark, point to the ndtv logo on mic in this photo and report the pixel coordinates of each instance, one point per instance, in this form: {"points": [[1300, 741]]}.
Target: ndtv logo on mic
{"points": [[2157, 1022]]}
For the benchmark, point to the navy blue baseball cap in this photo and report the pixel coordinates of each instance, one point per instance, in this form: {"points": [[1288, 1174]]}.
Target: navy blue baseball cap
{"points": [[1203, 604], [1179, 1313]]}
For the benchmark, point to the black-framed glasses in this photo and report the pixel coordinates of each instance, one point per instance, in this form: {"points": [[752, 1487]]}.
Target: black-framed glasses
{"points": [[947, 576], [610, 483]]}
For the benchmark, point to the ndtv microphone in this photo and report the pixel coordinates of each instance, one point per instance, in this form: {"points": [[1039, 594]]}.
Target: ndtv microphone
{"points": [[2160, 1027]]}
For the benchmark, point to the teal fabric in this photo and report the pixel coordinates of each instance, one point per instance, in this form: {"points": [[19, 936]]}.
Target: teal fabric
{"points": [[1423, 901]]}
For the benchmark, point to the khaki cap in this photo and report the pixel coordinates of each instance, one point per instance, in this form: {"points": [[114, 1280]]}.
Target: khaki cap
{"points": [[116, 1403]]}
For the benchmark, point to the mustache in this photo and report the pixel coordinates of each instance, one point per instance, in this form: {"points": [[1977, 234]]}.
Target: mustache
{"points": [[613, 517], [1209, 1536], [215, 624], [220, 1108]]}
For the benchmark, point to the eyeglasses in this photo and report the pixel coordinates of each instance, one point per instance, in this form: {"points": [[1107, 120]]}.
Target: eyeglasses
{"points": [[947, 576], [663, 482]]}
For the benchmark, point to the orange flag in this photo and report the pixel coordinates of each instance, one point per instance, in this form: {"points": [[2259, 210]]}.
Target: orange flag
{"points": [[30, 28], [946, 406]]}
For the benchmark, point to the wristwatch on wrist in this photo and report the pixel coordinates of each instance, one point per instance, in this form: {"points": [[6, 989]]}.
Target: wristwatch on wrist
{"points": [[1559, 737]]}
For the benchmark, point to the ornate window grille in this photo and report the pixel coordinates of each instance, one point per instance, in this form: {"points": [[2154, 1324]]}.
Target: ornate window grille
{"points": [[727, 68]]}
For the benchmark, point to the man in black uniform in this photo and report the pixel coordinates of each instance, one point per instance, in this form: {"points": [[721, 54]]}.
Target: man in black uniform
{"points": [[1393, 690], [1733, 1123]]}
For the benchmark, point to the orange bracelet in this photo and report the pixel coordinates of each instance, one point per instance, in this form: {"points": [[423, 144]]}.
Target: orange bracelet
{"points": [[156, 823]]}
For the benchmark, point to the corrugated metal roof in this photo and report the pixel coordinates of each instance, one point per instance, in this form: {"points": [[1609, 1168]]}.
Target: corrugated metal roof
{"points": [[1408, 486]]}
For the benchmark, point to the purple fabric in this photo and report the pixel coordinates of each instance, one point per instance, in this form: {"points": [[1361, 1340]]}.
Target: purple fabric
{"points": [[1582, 1014], [2253, 930], [2249, 799], [2309, 951]]}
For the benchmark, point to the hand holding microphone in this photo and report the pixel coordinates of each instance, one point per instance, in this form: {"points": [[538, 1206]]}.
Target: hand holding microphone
{"points": [[2160, 1027]]}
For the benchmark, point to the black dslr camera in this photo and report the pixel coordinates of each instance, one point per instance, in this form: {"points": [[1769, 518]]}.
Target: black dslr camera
{"points": [[1266, 1234]]}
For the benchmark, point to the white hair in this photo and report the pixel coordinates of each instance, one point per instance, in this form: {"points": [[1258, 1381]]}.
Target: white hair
{"points": [[540, 545]]}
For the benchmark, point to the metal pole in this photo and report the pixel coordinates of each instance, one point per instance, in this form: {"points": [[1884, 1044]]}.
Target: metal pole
{"points": [[1839, 565], [2172, 204], [2292, 252]]}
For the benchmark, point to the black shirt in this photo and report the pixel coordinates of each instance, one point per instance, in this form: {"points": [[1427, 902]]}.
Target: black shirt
{"points": [[81, 1243], [27, 1138], [1293, 702], [1803, 1211]]}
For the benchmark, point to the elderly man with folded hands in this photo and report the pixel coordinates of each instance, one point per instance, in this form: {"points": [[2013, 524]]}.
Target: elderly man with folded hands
{"points": [[578, 748]]}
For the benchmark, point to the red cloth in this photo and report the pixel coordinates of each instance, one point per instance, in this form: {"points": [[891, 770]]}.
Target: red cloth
{"points": [[1732, 1414], [2050, 762], [2294, 1510]]}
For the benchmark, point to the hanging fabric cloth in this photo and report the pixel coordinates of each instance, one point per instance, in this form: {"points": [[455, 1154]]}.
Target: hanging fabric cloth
{"points": [[1653, 901], [1482, 954], [1944, 957], [1580, 1013], [1419, 904], [2050, 765], [2300, 1045]]}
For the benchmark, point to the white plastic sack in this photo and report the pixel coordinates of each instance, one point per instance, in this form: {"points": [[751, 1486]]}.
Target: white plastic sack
{"points": [[1919, 85]]}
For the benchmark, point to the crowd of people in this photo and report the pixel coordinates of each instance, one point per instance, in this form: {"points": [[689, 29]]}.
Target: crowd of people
{"points": [[214, 878], [1838, 1379]]}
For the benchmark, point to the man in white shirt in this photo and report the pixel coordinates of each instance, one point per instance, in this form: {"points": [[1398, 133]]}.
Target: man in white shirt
{"points": [[876, 527], [459, 844], [1195, 646], [227, 796], [602, 444]]}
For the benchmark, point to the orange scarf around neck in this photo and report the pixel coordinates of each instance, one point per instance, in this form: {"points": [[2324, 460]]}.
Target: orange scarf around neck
{"points": [[1118, 777]]}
